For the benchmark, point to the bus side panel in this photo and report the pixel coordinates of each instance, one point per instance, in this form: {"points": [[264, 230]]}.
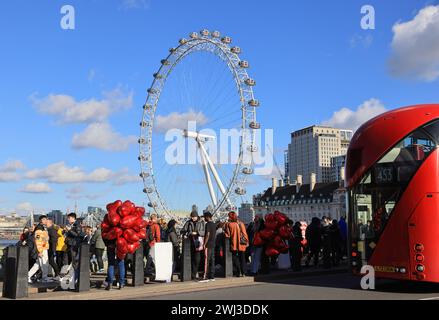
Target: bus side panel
{"points": [[424, 230], [393, 248]]}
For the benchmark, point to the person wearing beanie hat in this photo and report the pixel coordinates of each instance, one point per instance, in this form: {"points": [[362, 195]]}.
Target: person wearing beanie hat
{"points": [[194, 229]]}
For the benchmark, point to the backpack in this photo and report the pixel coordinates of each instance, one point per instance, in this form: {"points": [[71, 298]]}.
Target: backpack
{"points": [[149, 234]]}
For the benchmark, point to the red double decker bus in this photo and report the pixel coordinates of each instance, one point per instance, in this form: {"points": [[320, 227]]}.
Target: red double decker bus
{"points": [[392, 175]]}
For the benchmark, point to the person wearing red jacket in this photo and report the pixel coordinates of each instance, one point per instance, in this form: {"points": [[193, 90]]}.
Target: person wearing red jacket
{"points": [[152, 237]]}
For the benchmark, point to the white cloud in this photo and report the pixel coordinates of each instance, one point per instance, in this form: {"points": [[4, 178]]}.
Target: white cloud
{"points": [[415, 46], [177, 120], [24, 208], [12, 166], [60, 173], [36, 188], [123, 177], [8, 171], [346, 118], [102, 136], [9, 176], [67, 110]]}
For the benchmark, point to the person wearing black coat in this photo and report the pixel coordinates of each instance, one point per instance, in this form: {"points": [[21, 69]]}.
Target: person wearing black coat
{"points": [[172, 237], [313, 235], [336, 243], [326, 242], [53, 240], [74, 235], [296, 249]]}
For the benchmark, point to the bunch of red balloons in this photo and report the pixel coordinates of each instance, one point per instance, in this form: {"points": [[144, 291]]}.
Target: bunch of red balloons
{"points": [[124, 223], [275, 234]]}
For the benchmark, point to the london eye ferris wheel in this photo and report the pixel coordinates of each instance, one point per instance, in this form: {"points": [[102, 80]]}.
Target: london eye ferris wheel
{"points": [[198, 129]]}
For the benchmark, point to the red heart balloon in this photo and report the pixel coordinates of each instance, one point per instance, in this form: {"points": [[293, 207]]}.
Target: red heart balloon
{"points": [[114, 219], [114, 233], [280, 218], [105, 223], [113, 206], [257, 240], [142, 234], [269, 217], [271, 252], [132, 247], [143, 224], [140, 212], [267, 234], [127, 208], [131, 236], [128, 222], [286, 232], [121, 244], [271, 224]]}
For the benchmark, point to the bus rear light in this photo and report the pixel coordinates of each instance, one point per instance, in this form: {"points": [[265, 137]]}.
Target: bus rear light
{"points": [[354, 245], [420, 276], [354, 254], [354, 264], [420, 268], [419, 247], [419, 257]]}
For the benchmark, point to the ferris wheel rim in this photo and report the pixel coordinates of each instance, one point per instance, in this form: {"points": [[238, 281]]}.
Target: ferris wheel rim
{"points": [[240, 77]]}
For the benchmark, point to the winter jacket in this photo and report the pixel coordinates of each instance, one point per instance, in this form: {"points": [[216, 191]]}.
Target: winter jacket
{"points": [[191, 226], [234, 230], [155, 231], [74, 235], [313, 235], [173, 237], [96, 239], [53, 238], [60, 243]]}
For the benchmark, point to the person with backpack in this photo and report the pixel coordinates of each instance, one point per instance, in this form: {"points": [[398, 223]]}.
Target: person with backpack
{"points": [[194, 229], [236, 231]]}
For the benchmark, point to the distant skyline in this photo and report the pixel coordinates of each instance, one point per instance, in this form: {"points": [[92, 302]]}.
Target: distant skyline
{"points": [[71, 100]]}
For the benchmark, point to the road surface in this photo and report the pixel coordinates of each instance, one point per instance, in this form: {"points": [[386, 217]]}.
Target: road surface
{"points": [[324, 287]]}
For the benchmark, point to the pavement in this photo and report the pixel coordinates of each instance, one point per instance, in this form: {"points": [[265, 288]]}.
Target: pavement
{"points": [[155, 289], [311, 284]]}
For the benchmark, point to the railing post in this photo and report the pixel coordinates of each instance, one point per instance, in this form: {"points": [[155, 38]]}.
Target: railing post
{"points": [[138, 274], [84, 268], [228, 262], [186, 261], [16, 271]]}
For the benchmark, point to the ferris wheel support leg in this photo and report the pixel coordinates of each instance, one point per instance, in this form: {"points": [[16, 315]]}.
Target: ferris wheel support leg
{"points": [[214, 172], [208, 179]]}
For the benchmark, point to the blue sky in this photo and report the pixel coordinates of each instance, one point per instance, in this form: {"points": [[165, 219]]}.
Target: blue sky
{"points": [[311, 59]]}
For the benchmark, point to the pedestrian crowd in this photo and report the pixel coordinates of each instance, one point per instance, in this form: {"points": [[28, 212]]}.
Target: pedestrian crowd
{"points": [[54, 249]]}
